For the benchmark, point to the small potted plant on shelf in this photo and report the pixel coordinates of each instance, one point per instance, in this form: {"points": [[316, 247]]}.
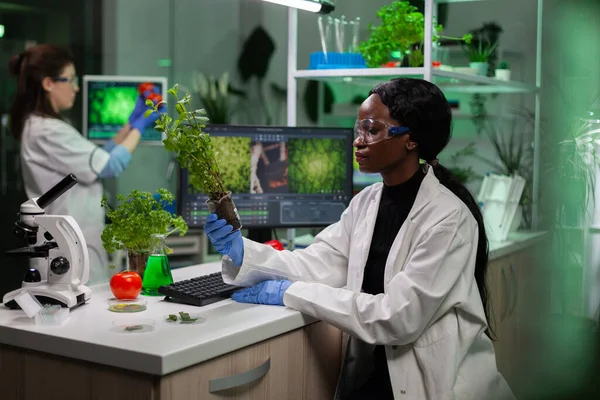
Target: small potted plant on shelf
{"points": [[401, 33], [503, 71], [133, 222], [478, 54], [195, 152]]}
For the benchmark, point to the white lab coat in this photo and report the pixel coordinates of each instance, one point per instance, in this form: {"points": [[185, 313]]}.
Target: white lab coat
{"points": [[50, 150], [430, 318]]}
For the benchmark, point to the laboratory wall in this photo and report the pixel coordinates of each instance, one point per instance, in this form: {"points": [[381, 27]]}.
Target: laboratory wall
{"points": [[176, 39]]}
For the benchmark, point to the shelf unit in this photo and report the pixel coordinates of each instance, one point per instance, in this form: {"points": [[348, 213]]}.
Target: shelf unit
{"points": [[447, 81]]}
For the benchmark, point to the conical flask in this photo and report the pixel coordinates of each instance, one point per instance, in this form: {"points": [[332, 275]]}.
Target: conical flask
{"points": [[158, 271]]}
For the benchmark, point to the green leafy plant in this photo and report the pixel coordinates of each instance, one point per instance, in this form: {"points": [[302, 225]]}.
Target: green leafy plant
{"points": [[479, 51], [402, 26], [503, 65], [514, 153], [214, 94], [136, 218], [192, 146], [463, 174]]}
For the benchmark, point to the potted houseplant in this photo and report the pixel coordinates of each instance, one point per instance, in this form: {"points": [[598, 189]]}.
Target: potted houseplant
{"points": [[213, 94], [195, 151], [503, 71], [401, 32], [478, 54], [133, 222], [514, 155]]}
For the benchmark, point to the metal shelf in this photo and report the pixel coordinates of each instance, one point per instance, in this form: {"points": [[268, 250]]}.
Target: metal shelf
{"points": [[452, 82], [446, 80]]}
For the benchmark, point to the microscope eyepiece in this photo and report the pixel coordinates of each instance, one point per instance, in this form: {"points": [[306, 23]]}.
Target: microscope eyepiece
{"points": [[56, 191]]}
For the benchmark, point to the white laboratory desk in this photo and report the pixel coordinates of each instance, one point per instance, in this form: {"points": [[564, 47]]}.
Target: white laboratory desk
{"points": [[258, 352]]}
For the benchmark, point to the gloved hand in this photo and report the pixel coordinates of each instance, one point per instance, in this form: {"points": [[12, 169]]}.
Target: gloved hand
{"points": [[266, 292], [142, 122], [138, 110], [226, 242], [140, 105]]}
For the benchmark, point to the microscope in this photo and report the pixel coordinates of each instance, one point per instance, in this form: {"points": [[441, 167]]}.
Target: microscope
{"points": [[59, 241]]}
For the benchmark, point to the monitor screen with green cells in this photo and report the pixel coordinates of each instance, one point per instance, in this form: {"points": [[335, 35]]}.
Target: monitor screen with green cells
{"points": [[278, 176], [108, 102]]}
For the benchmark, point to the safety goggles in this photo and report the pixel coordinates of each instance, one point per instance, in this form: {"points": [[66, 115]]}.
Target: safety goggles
{"points": [[372, 131], [73, 81]]}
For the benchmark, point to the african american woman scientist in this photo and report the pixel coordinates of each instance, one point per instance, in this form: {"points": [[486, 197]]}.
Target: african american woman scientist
{"points": [[402, 272]]}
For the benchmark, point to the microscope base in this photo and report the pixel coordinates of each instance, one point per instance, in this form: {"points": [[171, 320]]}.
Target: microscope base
{"points": [[49, 294]]}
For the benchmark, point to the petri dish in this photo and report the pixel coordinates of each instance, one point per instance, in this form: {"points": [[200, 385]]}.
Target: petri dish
{"points": [[127, 306], [176, 319], [133, 325]]}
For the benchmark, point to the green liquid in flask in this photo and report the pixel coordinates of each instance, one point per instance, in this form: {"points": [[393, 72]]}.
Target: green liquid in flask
{"points": [[158, 271]]}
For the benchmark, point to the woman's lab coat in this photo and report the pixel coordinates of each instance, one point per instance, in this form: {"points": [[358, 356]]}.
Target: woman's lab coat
{"points": [[50, 150], [430, 318]]}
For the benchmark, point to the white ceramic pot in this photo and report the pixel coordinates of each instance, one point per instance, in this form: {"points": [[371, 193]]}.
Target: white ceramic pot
{"points": [[480, 67], [503, 74]]}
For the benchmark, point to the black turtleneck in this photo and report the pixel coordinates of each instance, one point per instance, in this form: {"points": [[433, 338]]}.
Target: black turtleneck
{"points": [[396, 202]]}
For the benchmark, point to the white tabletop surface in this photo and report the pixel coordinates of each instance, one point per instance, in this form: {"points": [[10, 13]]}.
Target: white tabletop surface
{"points": [[89, 333]]}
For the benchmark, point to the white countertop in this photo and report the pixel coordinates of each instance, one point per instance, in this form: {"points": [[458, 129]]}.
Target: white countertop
{"points": [[89, 333], [516, 241]]}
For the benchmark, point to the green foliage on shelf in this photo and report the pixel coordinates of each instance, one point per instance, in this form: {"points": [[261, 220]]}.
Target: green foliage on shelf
{"points": [[402, 26], [138, 216], [481, 51], [503, 65], [192, 146], [319, 166]]}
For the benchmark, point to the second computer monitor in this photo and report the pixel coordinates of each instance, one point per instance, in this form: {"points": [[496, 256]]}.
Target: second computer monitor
{"points": [[279, 177], [108, 102]]}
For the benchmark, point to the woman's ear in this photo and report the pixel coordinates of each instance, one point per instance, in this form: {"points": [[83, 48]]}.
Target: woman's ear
{"points": [[47, 84], [410, 145]]}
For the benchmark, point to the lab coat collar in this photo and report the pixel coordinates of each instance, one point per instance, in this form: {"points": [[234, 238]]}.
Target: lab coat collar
{"points": [[428, 191]]}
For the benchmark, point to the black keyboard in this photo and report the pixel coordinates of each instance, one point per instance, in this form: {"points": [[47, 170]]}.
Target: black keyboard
{"points": [[199, 291]]}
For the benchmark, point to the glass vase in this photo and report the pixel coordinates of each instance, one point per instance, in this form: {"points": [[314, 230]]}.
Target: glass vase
{"points": [[158, 271], [137, 262]]}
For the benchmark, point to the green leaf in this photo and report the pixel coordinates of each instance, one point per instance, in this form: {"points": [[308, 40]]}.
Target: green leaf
{"points": [[149, 103], [148, 113]]}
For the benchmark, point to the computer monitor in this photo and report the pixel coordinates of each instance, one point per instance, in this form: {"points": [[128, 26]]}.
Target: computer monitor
{"points": [[279, 176], [109, 100]]}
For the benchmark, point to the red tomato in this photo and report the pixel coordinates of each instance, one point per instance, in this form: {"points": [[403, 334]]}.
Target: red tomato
{"points": [[276, 244], [126, 285], [155, 97], [144, 87]]}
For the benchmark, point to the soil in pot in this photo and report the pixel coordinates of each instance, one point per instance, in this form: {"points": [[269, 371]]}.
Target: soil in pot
{"points": [[137, 262], [225, 209]]}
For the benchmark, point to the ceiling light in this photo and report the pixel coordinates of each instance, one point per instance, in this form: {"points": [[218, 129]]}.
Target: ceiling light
{"points": [[316, 6]]}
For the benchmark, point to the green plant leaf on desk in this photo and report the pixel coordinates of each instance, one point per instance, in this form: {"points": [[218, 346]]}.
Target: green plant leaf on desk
{"points": [[136, 218]]}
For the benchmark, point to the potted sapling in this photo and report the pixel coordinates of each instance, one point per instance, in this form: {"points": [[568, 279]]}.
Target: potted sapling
{"points": [[478, 54], [195, 152], [503, 71], [134, 221]]}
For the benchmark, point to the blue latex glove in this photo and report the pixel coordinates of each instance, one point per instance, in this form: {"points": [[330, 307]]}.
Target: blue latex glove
{"points": [[142, 123], [226, 242], [140, 105], [266, 292], [138, 110]]}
